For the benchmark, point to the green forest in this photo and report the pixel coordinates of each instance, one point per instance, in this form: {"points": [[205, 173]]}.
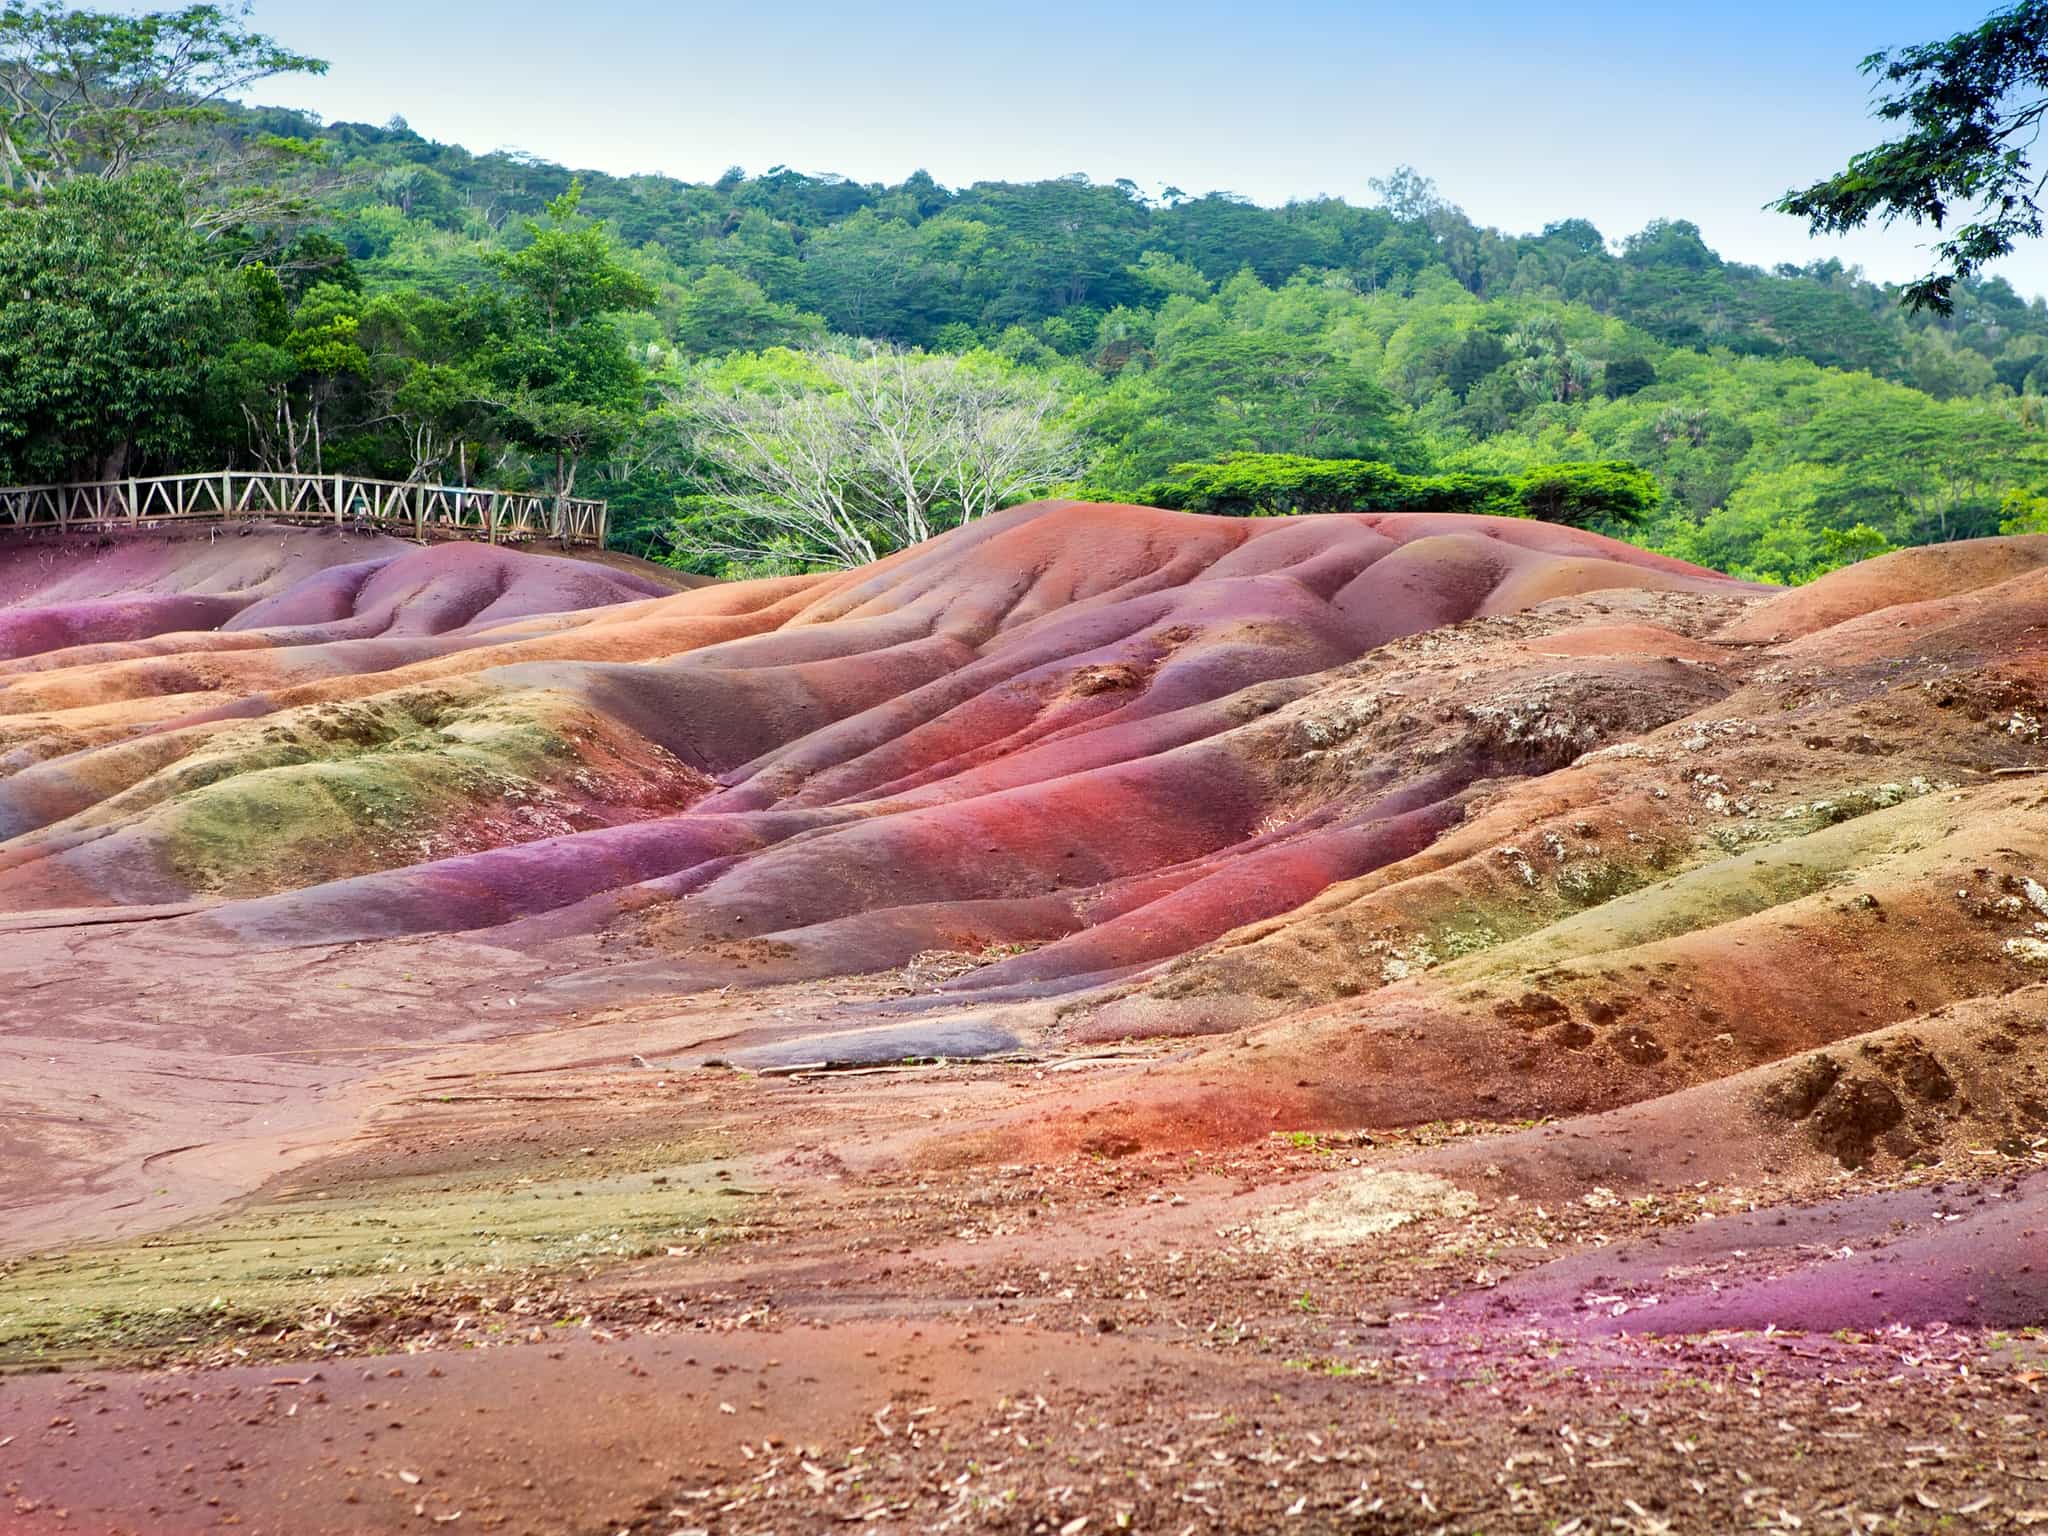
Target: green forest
{"points": [[783, 370]]}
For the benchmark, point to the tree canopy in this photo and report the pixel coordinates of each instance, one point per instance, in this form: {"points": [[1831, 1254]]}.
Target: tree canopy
{"points": [[838, 458], [1608, 497], [112, 317], [1970, 108], [99, 93]]}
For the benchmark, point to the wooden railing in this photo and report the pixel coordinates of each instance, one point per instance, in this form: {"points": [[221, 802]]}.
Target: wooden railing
{"points": [[395, 506]]}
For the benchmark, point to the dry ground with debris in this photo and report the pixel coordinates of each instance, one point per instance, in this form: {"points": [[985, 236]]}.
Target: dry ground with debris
{"points": [[764, 1314]]}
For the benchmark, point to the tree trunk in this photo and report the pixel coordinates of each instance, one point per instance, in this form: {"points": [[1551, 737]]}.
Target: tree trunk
{"points": [[565, 478]]}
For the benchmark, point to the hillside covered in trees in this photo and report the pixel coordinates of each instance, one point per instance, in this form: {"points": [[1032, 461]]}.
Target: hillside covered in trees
{"points": [[779, 370]]}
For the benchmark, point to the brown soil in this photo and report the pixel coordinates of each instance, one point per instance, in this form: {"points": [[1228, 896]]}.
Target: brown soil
{"points": [[1135, 1340]]}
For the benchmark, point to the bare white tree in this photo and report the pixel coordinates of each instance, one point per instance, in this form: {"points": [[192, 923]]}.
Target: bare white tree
{"points": [[1005, 444], [284, 434], [865, 453], [787, 465]]}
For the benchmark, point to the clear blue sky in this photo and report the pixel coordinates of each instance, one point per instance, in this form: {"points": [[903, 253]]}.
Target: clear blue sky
{"points": [[1523, 113]]}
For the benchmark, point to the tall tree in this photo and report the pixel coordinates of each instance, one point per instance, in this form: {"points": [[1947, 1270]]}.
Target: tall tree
{"points": [[111, 316], [1971, 107], [290, 367], [98, 93], [564, 379], [725, 311], [418, 349]]}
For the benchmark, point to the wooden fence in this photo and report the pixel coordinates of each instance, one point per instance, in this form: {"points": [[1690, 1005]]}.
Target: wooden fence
{"points": [[402, 507]]}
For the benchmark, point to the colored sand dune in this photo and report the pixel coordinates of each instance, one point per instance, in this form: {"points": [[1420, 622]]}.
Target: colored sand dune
{"points": [[1065, 721], [1378, 821], [1105, 989]]}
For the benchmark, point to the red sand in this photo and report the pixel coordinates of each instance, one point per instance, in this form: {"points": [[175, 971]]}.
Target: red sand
{"points": [[1061, 638]]}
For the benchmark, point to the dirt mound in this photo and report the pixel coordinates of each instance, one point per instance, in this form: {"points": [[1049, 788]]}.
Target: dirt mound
{"points": [[78, 589], [1906, 576], [666, 577], [1041, 685], [440, 588], [1159, 992], [1428, 817]]}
